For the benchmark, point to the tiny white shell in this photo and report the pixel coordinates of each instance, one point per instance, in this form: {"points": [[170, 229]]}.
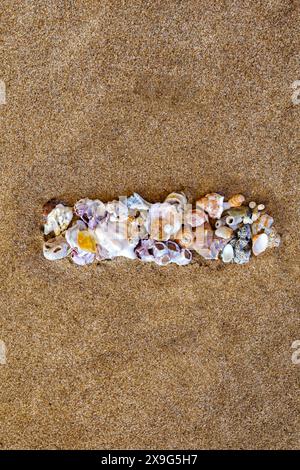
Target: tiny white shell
{"points": [[227, 254], [247, 220], [260, 243], [252, 204], [233, 221]]}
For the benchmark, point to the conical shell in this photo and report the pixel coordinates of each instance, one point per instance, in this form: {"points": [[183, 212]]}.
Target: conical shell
{"points": [[237, 200]]}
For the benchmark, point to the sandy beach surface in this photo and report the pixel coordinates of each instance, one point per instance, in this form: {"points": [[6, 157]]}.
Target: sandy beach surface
{"points": [[106, 98]]}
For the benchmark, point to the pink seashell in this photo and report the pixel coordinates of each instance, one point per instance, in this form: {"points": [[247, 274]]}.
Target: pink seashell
{"points": [[212, 204], [196, 217]]}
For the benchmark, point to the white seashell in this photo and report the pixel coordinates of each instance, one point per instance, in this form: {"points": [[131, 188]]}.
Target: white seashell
{"points": [[56, 248], [136, 202], [227, 254], [252, 204], [224, 232], [261, 207], [259, 243], [117, 210], [176, 198], [212, 204], [113, 237], [58, 219], [247, 220]]}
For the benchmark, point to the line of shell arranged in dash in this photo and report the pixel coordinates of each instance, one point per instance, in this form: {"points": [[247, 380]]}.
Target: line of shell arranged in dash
{"points": [[163, 232]]}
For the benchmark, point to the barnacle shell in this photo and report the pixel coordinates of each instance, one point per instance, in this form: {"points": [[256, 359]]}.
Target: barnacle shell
{"points": [[56, 248], [83, 243], [236, 200], [159, 249], [144, 250], [224, 232], [184, 258], [185, 237], [58, 219], [212, 204], [163, 260], [174, 249], [176, 198], [164, 221], [259, 243], [227, 253], [50, 205]]}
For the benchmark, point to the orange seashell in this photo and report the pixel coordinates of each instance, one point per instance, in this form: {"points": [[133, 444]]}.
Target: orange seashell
{"points": [[236, 200]]}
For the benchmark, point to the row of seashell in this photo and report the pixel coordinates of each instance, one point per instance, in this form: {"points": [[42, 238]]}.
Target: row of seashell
{"points": [[163, 233]]}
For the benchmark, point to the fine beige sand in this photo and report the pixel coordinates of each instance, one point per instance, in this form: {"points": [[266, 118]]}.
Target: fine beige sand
{"points": [[105, 98]]}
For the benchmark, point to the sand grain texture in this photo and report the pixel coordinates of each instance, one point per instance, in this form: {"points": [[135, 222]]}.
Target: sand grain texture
{"points": [[105, 98]]}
